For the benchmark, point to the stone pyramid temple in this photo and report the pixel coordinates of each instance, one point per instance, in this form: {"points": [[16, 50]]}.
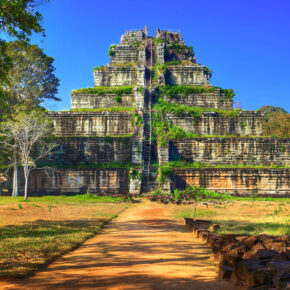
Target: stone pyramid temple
{"points": [[153, 120]]}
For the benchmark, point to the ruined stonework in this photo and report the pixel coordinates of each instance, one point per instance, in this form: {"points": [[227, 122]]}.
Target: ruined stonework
{"points": [[92, 123], [238, 181], [214, 100], [252, 151], [189, 75], [87, 150], [94, 101], [79, 180], [113, 76], [211, 123], [151, 105]]}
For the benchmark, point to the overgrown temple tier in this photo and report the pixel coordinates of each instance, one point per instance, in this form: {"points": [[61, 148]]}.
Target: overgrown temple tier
{"points": [[93, 123], [203, 151], [106, 123], [133, 96], [186, 75]]}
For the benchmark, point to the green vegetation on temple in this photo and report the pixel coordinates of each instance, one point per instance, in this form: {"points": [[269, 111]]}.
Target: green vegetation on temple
{"points": [[112, 50], [165, 171], [90, 165], [184, 110], [111, 110], [186, 164], [173, 91], [106, 138], [121, 90]]}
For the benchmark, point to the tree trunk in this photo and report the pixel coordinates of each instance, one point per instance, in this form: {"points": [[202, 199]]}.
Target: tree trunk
{"points": [[195, 208], [15, 179], [25, 186], [26, 170]]}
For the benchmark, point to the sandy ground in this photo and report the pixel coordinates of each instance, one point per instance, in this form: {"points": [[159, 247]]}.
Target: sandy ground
{"points": [[141, 249]]}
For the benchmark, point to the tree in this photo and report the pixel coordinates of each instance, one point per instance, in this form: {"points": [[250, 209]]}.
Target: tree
{"points": [[276, 121], [19, 18], [266, 110], [277, 124], [29, 82], [27, 132], [31, 78]]}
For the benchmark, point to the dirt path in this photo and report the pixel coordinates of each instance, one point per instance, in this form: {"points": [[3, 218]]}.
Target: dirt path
{"points": [[142, 249]]}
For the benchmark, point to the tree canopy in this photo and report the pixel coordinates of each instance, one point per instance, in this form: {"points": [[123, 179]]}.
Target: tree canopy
{"points": [[19, 18], [276, 121], [30, 79]]}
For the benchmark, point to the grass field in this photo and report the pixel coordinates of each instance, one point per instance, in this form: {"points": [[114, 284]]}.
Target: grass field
{"points": [[35, 232], [243, 216]]}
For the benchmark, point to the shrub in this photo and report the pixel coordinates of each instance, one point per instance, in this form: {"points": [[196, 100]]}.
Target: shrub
{"points": [[118, 99], [112, 50]]}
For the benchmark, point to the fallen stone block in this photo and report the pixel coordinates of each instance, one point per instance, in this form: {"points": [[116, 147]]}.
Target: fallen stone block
{"points": [[250, 253], [278, 266], [214, 227], [281, 280], [277, 246], [228, 259], [264, 254], [240, 250], [225, 272], [252, 274], [282, 257], [199, 231], [188, 221]]}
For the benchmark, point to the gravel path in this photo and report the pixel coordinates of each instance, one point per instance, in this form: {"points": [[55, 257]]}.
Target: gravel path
{"points": [[141, 249]]}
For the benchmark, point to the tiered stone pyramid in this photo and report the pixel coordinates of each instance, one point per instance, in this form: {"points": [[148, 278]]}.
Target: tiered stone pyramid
{"points": [[152, 108]]}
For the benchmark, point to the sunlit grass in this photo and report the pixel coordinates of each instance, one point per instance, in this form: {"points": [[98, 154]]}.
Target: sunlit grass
{"points": [[243, 217], [35, 232]]}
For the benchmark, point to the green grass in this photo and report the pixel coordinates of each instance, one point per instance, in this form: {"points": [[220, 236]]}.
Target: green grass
{"points": [[121, 90], [185, 164], [200, 213], [61, 199], [27, 245], [108, 138], [90, 165], [252, 228], [111, 110], [173, 91], [184, 110], [243, 215]]}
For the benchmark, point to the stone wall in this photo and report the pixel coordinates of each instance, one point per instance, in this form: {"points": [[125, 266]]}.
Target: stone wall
{"points": [[78, 181], [210, 123], [169, 36], [160, 50], [238, 181], [213, 100], [190, 75], [76, 150], [125, 54], [112, 76], [177, 54], [133, 36], [254, 151], [94, 101], [92, 123]]}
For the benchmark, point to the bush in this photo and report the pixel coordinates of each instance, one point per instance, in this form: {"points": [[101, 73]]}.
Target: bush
{"points": [[112, 50]]}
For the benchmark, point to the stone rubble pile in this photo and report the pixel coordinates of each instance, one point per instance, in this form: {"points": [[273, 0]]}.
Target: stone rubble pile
{"points": [[261, 261]]}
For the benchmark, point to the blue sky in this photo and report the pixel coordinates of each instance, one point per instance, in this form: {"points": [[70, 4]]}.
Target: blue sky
{"points": [[245, 42]]}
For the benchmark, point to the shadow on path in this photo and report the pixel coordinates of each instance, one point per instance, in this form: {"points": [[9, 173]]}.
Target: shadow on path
{"points": [[141, 249]]}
